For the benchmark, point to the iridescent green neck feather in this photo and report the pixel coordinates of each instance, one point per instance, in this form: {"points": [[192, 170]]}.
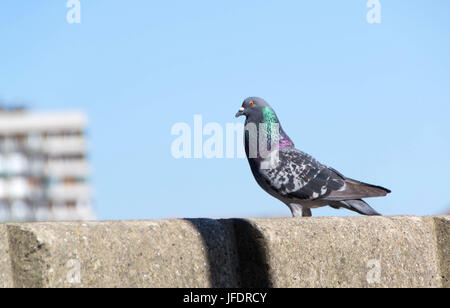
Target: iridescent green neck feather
{"points": [[269, 117], [279, 136]]}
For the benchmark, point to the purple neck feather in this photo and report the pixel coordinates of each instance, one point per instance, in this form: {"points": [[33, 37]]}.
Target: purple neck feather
{"points": [[285, 143]]}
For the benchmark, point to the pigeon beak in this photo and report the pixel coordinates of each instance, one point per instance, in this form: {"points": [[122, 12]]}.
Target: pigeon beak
{"points": [[240, 112]]}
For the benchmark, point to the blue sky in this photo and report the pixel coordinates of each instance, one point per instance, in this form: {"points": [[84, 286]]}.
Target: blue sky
{"points": [[371, 100]]}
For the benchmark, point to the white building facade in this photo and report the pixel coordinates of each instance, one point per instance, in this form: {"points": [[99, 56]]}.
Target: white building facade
{"points": [[44, 173]]}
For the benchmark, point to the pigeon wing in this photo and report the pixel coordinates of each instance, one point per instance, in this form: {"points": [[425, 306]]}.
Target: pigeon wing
{"points": [[298, 175]]}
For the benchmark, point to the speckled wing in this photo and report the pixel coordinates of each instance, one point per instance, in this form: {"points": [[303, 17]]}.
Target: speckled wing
{"points": [[298, 175]]}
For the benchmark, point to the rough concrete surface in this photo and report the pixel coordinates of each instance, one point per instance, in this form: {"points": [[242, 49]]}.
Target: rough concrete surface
{"points": [[351, 252], [404, 251], [442, 228], [163, 253], [6, 278]]}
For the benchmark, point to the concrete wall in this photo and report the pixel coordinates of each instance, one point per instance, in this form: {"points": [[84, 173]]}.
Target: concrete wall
{"points": [[302, 252]]}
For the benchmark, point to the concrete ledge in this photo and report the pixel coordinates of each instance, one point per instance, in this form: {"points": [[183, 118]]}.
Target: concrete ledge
{"points": [[6, 276], [302, 252], [442, 229]]}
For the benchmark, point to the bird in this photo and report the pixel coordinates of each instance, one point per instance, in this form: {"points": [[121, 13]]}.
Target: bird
{"points": [[292, 176]]}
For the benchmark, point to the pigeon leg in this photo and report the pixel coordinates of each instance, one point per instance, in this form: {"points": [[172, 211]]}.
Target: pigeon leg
{"points": [[299, 211], [306, 212]]}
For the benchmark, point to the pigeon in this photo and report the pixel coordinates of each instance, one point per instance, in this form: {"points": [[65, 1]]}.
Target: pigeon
{"points": [[292, 176]]}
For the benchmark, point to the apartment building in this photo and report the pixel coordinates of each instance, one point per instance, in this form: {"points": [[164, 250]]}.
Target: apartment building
{"points": [[44, 173]]}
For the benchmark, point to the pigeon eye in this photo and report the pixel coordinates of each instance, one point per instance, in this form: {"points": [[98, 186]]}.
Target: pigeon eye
{"points": [[252, 103]]}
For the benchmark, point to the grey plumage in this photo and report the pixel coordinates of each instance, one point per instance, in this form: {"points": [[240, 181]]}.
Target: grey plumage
{"points": [[297, 179]]}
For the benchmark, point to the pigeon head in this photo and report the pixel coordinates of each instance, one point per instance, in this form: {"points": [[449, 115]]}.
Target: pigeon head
{"points": [[257, 110]]}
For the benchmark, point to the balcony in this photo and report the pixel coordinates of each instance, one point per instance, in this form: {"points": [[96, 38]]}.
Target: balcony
{"points": [[14, 188], [37, 123], [59, 169], [64, 145], [61, 192]]}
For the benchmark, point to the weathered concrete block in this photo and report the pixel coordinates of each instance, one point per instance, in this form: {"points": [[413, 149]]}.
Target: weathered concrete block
{"points": [[162, 253], [350, 252], [442, 228], [289, 252], [6, 274]]}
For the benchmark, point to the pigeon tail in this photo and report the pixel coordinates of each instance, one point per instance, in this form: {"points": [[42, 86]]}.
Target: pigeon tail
{"points": [[358, 206], [357, 190], [375, 189]]}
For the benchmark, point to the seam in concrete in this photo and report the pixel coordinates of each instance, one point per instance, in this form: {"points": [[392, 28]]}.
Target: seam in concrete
{"points": [[220, 252], [252, 265], [6, 271], [236, 252], [27, 257], [441, 229]]}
